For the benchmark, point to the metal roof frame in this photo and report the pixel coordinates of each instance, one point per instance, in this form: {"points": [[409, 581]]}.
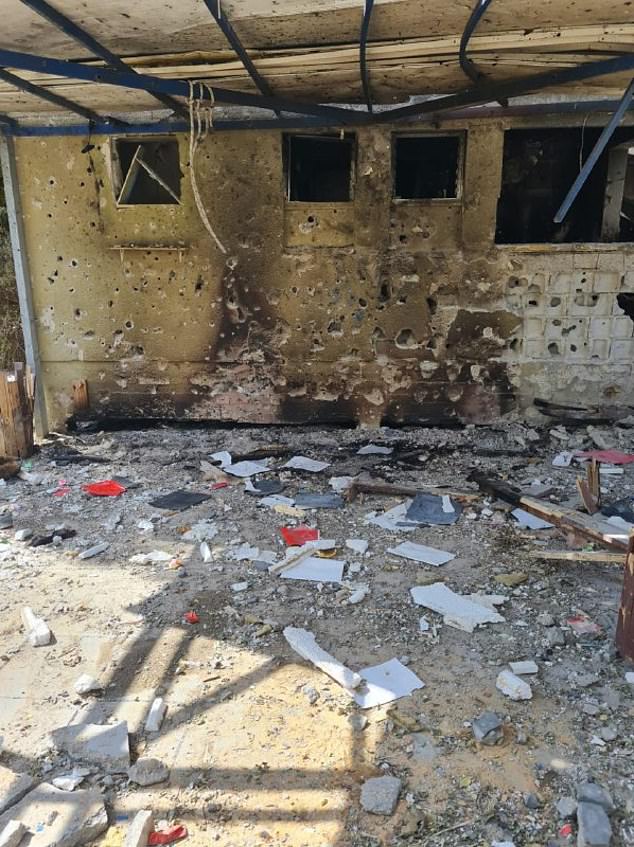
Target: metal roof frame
{"points": [[363, 43]]}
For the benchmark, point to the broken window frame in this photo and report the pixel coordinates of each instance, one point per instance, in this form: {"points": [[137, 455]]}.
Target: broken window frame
{"points": [[120, 182], [461, 135], [350, 137]]}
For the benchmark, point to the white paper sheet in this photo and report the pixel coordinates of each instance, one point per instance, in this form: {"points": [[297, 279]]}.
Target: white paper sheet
{"points": [[374, 450], [528, 521], [390, 519], [421, 553], [457, 610], [385, 683], [243, 469], [316, 569], [302, 463]]}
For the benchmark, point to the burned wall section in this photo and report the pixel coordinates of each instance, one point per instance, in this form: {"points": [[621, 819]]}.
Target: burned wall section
{"points": [[373, 310]]}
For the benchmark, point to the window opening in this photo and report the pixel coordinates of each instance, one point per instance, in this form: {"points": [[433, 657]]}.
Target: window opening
{"points": [[427, 167], [319, 168], [148, 172]]}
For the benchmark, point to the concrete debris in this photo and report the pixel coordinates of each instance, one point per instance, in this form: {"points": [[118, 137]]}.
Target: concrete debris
{"points": [[201, 531], [458, 611], [629, 677], [374, 450], [379, 796], [513, 687], [55, 820], [13, 787], [590, 792], [358, 545], [304, 642], [238, 587], [358, 722], [72, 780], [148, 771], [595, 829], [205, 552], [139, 830], [311, 694], [37, 630], [86, 683], [421, 553], [521, 668], [566, 808], [156, 715], [155, 557], [101, 744], [6, 520], [22, 534], [487, 729], [93, 551], [12, 833], [358, 595]]}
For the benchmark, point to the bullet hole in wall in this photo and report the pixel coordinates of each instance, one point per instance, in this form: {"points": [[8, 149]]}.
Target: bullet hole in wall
{"points": [[553, 349], [406, 340]]}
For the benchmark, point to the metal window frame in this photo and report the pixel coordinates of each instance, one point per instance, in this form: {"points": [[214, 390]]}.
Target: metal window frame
{"points": [[116, 171], [462, 135], [349, 137]]}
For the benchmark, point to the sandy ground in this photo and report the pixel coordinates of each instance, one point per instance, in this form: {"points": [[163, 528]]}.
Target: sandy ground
{"points": [[252, 761]]}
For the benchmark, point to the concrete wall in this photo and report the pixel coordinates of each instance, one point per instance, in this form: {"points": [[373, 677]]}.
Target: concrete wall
{"points": [[370, 311]]}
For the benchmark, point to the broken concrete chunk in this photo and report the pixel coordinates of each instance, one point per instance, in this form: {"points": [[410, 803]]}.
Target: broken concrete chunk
{"points": [[305, 643], [155, 557], [140, 829], [37, 630], [358, 545], [23, 534], [95, 550], [358, 595], [487, 729], [148, 772], [379, 795], [590, 792], [521, 668], [458, 611], [566, 808], [12, 834], [71, 781], [86, 683], [594, 825], [205, 552], [6, 520], [103, 744], [67, 824], [13, 787], [512, 686], [155, 715]]}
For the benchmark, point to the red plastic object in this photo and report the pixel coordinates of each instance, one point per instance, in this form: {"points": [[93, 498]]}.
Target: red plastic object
{"points": [[191, 617], [167, 836], [62, 489], [566, 830], [218, 485], [583, 625], [295, 536], [610, 457], [105, 488]]}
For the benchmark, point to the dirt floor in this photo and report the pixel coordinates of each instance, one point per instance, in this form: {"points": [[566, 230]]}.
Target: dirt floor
{"points": [[260, 744]]}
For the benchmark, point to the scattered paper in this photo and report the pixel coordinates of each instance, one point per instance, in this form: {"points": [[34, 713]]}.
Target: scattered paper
{"points": [[243, 469], [374, 450], [385, 683], [457, 610], [528, 521], [305, 643], [244, 553], [223, 456], [316, 569], [393, 519], [302, 463], [421, 553], [563, 459], [359, 545], [339, 484]]}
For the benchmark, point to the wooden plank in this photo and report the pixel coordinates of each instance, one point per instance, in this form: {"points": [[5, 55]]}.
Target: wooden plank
{"points": [[379, 487], [577, 556], [625, 623], [16, 412], [80, 396]]}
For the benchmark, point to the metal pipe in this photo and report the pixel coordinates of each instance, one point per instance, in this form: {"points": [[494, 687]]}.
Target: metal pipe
{"points": [[363, 43], [466, 64], [599, 147]]}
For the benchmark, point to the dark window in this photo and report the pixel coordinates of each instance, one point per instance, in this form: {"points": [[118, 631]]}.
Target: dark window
{"points": [[426, 167], [319, 168], [538, 169], [147, 172]]}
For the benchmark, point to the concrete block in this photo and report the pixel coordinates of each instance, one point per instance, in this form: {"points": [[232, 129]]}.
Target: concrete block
{"points": [[591, 792], [609, 281], [534, 328], [155, 715], [600, 349], [512, 686], [13, 787], [594, 825], [37, 630], [487, 729], [57, 818], [12, 834], [102, 744], [379, 795], [139, 830], [148, 772], [520, 668], [600, 328], [622, 351], [622, 327]]}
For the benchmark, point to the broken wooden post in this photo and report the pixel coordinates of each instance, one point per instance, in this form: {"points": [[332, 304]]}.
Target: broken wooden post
{"points": [[625, 623], [16, 412]]}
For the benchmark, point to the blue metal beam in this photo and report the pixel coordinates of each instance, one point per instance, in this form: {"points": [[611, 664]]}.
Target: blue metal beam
{"points": [[84, 38], [599, 147], [466, 64], [9, 123], [173, 87], [363, 43], [232, 37], [491, 91], [55, 99]]}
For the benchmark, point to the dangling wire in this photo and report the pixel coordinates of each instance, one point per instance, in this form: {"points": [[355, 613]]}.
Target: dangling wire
{"points": [[200, 125]]}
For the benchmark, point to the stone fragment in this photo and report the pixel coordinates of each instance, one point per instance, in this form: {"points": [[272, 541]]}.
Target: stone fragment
{"points": [[6, 520], [13, 787], [487, 729], [590, 792], [532, 801], [93, 551], [545, 619], [311, 694], [555, 637], [54, 821], [37, 630], [71, 781], [86, 683], [23, 534], [521, 668], [594, 826], [566, 807], [102, 744], [512, 686], [155, 715], [608, 733], [358, 722], [147, 771], [380, 794], [12, 834], [511, 580], [140, 828]]}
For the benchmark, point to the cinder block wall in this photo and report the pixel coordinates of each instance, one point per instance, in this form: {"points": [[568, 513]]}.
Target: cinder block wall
{"points": [[369, 311]]}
